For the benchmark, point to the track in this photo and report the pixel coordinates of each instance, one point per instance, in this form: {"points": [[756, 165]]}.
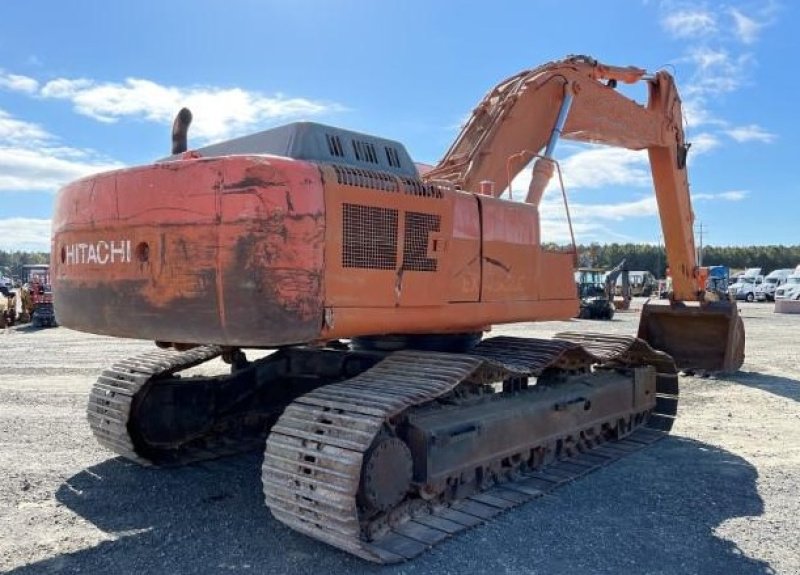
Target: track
{"points": [[112, 396], [144, 410], [324, 451], [319, 451]]}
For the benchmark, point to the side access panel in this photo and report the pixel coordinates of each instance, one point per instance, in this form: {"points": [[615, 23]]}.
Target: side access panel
{"points": [[386, 241], [511, 251]]}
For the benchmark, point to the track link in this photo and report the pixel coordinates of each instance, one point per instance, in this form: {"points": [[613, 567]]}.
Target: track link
{"points": [[112, 397], [314, 455]]}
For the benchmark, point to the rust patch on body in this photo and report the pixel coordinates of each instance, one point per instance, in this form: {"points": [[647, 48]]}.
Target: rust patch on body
{"points": [[275, 278], [250, 182], [236, 263]]}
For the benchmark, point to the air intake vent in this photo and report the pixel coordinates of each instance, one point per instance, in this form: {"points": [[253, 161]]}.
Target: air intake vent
{"points": [[369, 237], [418, 227], [335, 145], [417, 188], [365, 178], [365, 152], [392, 156]]}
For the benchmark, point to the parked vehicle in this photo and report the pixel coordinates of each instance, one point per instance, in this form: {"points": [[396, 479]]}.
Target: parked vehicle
{"points": [[775, 279], [790, 289], [595, 301], [642, 284], [745, 286], [37, 297], [717, 283], [8, 307]]}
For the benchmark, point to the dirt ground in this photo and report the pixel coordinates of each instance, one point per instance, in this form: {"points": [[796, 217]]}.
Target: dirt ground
{"points": [[718, 496]]}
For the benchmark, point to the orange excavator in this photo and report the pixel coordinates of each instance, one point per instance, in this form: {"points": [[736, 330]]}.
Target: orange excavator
{"points": [[390, 422]]}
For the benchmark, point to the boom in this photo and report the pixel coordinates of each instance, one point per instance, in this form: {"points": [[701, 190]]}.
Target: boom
{"points": [[523, 117]]}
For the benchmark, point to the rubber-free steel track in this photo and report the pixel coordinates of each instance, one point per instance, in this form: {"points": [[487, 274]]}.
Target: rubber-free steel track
{"points": [[314, 453], [112, 398]]}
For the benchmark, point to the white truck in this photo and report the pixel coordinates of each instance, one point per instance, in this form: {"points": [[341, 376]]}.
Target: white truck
{"points": [[774, 280], [791, 289], [745, 286]]}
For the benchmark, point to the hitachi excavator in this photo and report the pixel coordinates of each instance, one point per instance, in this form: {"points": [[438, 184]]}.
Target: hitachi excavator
{"points": [[390, 422]]}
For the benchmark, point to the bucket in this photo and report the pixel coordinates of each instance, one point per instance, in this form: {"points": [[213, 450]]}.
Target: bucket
{"points": [[698, 336]]}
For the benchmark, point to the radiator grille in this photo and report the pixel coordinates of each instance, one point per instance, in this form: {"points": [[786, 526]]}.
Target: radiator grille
{"points": [[369, 237], [418, 227]]}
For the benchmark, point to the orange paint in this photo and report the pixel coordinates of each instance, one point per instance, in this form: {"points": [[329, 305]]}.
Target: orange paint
{"points": [[261, 251]]}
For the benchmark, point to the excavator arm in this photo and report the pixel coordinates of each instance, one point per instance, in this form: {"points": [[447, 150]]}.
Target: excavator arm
{"points": [[523, 117], [519, 119]]}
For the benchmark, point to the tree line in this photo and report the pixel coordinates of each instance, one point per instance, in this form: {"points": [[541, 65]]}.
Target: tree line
{"points": [[653, 258], [11, 263]]}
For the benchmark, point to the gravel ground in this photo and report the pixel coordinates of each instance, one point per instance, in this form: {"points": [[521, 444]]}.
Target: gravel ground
{"points": [[718, 496]]}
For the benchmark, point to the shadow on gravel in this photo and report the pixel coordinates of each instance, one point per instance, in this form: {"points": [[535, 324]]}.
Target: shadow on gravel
{"points": [[652, 512], [29, 328], [776, 385]]}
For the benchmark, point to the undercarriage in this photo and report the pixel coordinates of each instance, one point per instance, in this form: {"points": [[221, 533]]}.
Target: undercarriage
{"points": [[384, 454]]}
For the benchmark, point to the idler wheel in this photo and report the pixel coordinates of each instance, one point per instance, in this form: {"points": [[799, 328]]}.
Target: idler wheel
{"points": [[386, 475]]}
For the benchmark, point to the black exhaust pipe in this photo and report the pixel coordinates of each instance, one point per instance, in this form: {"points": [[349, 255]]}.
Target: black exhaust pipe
{"points": [[180, 130]]}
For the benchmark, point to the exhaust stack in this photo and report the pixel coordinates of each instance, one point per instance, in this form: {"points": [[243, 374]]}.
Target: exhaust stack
{"points": [[180, 131]]}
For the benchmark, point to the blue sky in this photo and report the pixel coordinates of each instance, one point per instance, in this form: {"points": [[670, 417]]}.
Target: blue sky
{"points": [[87, 86]]}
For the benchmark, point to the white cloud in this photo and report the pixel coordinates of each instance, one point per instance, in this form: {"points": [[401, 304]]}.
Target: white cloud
{"points": [[717, 71], [31, 159], [592, 222], [604, 166], [592, 166], [44, 169], [555, 230], [746, 29], [26, 234], [600, 222], [14, 131], [696, 112], [642, 207], [595, 166], [709, 59], [751, 133], [731, 196], [64, 88], [702, 143], [690, 23], [17, 83], [718, 59], [598, 167], [218, 112]]}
